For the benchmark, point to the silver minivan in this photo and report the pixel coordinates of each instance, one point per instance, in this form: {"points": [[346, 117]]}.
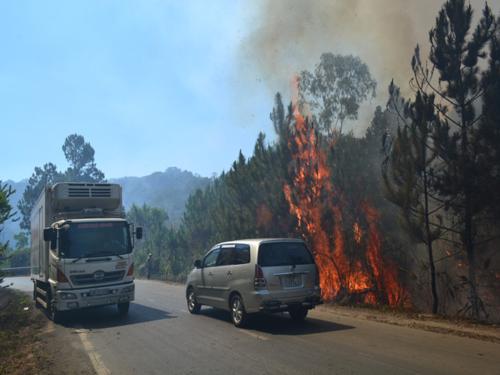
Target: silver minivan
{"points": [[250, 276]]}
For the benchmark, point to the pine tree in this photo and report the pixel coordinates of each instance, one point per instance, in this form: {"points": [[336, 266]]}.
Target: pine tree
{"points": [[456, 55], [408, 174], [5, 210]]}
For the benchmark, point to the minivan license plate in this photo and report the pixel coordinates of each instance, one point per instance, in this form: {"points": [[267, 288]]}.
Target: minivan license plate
{"points": [[291, 281]]}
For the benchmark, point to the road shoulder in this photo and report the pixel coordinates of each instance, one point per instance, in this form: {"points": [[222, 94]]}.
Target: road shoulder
{"points": [[426, 322], [31, 344]]}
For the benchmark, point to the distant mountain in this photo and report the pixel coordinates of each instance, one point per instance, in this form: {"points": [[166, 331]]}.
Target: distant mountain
{"points": [[168, 190]]}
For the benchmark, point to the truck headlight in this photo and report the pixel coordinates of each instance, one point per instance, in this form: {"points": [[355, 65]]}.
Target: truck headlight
{"points": [[128, 289], [66, 295]]}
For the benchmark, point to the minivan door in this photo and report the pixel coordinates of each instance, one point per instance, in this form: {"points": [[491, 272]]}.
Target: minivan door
{"points": [[205, 290], [222, 275]]}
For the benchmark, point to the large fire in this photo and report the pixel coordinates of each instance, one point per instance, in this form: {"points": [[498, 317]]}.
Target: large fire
{"points": [[317, 205]]}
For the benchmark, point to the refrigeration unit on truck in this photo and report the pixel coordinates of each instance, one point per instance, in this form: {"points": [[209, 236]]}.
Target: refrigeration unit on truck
{"points": [[81, 248]]}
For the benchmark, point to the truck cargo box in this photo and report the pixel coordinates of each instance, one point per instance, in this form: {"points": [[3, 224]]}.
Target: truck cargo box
{"points": [[66, 201]]}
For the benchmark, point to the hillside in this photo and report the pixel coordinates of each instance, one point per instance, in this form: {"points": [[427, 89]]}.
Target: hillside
{"points": [[168, 190]]}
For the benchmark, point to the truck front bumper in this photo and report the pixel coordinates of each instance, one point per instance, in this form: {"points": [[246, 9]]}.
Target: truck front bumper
{"points": [[71, 299]]}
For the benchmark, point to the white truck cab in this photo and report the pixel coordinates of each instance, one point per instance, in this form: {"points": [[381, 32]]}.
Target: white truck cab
{"points": [[81, 248]]}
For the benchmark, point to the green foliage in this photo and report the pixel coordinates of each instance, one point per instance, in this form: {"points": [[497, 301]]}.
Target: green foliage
{"points": [[18, 258], [5, 210], [41, 177], [467, 178], [335, 90], [161, 243], [80, 156], [489, 131], [22, 241], [408, 174]]}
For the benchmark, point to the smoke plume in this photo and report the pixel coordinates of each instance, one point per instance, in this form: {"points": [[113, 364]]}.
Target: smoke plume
{"points": [[290, 35]]}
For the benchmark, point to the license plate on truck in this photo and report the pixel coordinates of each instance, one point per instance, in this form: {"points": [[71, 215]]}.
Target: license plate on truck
{"points": [[99, 292], [291, 281]]}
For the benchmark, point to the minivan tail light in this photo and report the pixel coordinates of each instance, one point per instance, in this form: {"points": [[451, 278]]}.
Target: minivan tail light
{"points": [[259, 279], [316, 277], [131, 270], [61, 277]]}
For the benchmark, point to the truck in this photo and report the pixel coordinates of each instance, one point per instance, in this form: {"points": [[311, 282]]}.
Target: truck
{"points": [[81, 248]]}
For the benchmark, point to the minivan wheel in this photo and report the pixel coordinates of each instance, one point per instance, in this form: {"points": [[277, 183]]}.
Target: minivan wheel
{"points": [[238, 314], [193, 305], [298, 314]]}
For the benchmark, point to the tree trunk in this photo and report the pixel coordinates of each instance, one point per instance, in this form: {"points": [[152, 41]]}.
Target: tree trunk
{"points": [[435, 301], [468, 239], [471, 259]]}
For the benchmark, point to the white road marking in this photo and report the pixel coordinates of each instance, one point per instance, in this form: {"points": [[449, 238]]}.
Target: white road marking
{"points": [[95, 358], [254, 335]]}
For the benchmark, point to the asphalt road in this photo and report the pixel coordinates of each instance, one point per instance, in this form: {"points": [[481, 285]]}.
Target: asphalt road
{"points": [[159, 336]]}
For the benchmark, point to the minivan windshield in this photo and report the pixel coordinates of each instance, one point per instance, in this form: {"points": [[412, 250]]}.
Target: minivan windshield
{"points": [[283, 254], [81, 240]]}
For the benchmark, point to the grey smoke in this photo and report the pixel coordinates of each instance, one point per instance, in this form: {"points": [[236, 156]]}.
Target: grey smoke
{"points": [[290, 35]]}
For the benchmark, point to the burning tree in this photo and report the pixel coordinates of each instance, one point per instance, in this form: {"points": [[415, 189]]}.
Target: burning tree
{"points": [[318, 206]]}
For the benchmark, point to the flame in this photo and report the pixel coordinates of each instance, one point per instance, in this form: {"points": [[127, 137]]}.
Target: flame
{"points": [[317, 206], [358, 233]]}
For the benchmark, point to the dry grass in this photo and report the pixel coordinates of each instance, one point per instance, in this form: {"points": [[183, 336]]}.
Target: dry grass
{"points": [[20, 328]]}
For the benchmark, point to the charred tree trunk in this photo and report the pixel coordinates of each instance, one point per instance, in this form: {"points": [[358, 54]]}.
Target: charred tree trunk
{"points": [[429, 240], [468, 235]]}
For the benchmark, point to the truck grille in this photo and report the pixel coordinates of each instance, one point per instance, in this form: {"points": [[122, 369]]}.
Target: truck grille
{"points": [[89, 278]]}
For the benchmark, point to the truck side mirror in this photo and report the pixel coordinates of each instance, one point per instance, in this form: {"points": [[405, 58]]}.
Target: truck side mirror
{"points": [[197, 263], [138, 233], [50, 234]]}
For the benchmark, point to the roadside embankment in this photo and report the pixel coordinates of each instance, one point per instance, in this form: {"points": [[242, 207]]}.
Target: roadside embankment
{"points": [[426, 322], [20, 328]]}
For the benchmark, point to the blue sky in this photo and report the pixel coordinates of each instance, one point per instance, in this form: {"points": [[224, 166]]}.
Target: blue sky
{"points": [[150, 84]]}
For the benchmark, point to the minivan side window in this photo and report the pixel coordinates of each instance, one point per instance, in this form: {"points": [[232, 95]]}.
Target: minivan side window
{"points": [[241, 254], [211, 259], [225, 256]]}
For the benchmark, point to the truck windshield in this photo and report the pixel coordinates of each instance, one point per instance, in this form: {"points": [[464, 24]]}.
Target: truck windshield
{"points": [[81, 240]]}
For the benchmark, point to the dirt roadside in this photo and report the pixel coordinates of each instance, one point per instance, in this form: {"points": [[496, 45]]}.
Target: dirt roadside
{"points": [[426, 322], [31, 344]]}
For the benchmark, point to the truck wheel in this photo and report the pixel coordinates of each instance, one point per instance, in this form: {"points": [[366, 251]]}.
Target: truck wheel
{"points": [[35, 294], [238, 314], [54, 315], [193, 305], [298, 314], [123, 308]]}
